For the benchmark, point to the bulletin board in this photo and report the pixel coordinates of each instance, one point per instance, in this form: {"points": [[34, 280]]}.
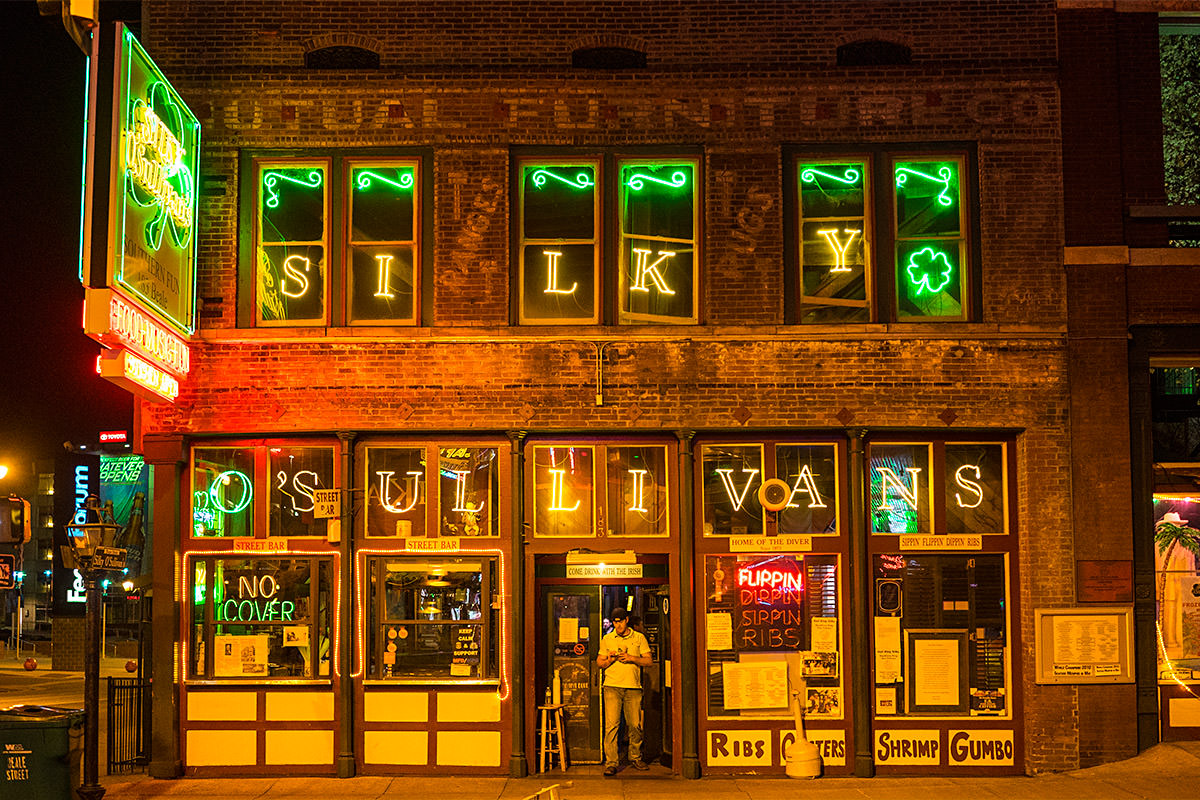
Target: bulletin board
{"points": [[1084, 645]]}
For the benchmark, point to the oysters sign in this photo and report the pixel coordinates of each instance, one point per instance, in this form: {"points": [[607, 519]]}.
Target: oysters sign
{"points": [[138, 259]]}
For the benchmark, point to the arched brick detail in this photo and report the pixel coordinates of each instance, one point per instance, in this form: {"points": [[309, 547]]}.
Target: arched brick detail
{"points": [[881, 34], [342, 39], [610, 40]]}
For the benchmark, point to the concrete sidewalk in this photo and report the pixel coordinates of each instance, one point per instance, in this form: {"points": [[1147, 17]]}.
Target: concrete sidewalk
{"points": [[1167, 772]]}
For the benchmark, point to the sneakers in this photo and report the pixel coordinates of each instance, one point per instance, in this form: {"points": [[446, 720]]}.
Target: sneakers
{"points": [[640, 765], [609, 771]]}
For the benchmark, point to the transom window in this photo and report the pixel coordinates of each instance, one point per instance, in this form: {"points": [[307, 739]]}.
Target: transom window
{"points": [[564, 254], [914, 266], [336, 240], [465, 501]]}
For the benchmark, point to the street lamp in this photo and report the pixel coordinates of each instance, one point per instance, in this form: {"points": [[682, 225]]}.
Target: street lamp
{"points": [[91, 550]]}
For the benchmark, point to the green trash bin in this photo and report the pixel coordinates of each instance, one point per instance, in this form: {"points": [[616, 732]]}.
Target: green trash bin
{"points": [[40, 749]]}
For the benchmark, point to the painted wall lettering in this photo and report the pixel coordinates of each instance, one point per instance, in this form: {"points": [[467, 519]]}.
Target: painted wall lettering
{"points": [[906, 747], [981, 748], [739, 748]]}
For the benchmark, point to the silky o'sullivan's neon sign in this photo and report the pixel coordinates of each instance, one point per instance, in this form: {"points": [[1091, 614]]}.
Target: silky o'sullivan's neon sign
{"points": [[154, 159]]}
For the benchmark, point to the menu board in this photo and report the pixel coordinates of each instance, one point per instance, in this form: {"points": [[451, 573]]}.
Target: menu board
{"points": [[465, 661], [1084, 645]]}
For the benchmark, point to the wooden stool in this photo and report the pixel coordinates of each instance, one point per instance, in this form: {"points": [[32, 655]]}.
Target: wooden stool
{"points": [[552, 731]]}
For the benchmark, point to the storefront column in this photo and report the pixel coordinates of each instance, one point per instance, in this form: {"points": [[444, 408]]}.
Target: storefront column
{"points": [[860, 602], [687, 598], [165, 454], [345, 756], [518, 767]]}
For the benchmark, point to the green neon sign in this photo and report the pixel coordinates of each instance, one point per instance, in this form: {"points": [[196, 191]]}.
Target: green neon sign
{"points": [[943, 178], [928, 270], [363, 179], [637, 180], [156, 160], [581, 179], [271, 179], [850, 177]]}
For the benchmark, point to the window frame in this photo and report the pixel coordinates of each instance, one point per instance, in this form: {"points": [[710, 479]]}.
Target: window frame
{"points": [[338, 287], [880, 235], [611, 264]]}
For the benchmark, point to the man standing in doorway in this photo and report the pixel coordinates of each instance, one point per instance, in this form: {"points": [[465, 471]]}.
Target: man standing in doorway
{"points": [[623, 653]]}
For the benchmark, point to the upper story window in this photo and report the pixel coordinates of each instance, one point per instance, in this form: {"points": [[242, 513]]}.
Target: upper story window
{"points": [[882, 236], [425, 490], [568, 264], [335, 241]]}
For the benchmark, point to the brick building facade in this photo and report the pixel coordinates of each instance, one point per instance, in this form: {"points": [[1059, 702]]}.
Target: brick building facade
{"points": [[929, 449]]}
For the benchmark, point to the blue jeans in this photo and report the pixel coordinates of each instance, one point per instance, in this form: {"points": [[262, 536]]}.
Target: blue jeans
{"points": [[616, 701]]}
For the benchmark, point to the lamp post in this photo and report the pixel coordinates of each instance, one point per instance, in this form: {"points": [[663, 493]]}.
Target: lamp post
{"points": [[91, 549]]}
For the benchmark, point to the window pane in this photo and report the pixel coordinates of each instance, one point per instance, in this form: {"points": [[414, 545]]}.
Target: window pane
{"points": [[832, 190], [975, 488], [291, 283], [732, 475], [295, 473], [929, 277], [396, 491], [562, 492], [637, 491], [927, 199], [382, 282], [381, 204], [900, 489], [292, 204], [658, 206], [558, 282], [559, 201], [811, 471], [222, 491], [468, 489], [835, 264], [951, 605]]}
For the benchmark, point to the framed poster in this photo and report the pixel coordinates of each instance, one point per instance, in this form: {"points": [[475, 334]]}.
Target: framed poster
{"points": [[936, 670], [1084, 645]]}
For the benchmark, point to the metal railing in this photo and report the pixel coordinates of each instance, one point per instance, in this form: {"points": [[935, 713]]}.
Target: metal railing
{"points": [[128, 725]]}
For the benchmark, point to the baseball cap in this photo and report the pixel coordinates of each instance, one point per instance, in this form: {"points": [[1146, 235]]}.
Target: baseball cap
{"points": [[619, 613]]}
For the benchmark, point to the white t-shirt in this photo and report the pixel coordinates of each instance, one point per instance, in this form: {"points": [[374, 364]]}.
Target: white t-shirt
{"points": [[617, 674]]}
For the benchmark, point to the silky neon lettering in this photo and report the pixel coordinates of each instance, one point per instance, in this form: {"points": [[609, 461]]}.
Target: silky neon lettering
{"points": [[969, 485], [943, 177], [639, 484], [363, 178], [558, 476], [154, 156], [385, 490], [645, 270], [302, 489], [217, 491], [909, 495], [919, 276], [839, 249], [809, 487], [637, 181], [271, 180], [385, 276], [582, 180], [552, 257], [730, 490], [460, 493], [849, 177], [290, 271]]}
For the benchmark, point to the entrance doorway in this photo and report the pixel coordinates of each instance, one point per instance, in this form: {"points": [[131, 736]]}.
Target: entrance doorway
{"points": [[572, 621]]}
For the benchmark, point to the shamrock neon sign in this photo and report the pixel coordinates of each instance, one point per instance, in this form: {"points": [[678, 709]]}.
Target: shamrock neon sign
{"points": [[154, 159], [929, 270]]}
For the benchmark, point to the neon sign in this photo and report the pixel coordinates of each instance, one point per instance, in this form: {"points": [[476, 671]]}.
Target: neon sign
{"points": [[290, 271], [558, 476], [969, 485], [385, 276], [385, 490], [639, 482], [637, 181], [217, 491], [140, 377], [943, 177], [839, 249], [766, 577], [809, 487], [155, 161], [271, 181], [302, 489], [460, 494], [924, 275], [850, 177], [256, 602], [909, 495], [644, 270], [552, 257], [109, 318], [582, 179], [727, 479], [362, 180]]}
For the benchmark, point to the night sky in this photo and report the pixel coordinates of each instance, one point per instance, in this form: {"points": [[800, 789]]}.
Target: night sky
{"points": [[50, 391]]}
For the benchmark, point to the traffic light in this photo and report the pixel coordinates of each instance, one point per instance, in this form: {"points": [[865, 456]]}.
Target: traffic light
{"points": [[14, 520]]}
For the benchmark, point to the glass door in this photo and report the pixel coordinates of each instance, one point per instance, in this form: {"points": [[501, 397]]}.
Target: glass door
{"points": [[571, 638]]}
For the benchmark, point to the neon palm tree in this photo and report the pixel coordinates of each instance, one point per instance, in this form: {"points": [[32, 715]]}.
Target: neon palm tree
{"points": [[1170, 532]]}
